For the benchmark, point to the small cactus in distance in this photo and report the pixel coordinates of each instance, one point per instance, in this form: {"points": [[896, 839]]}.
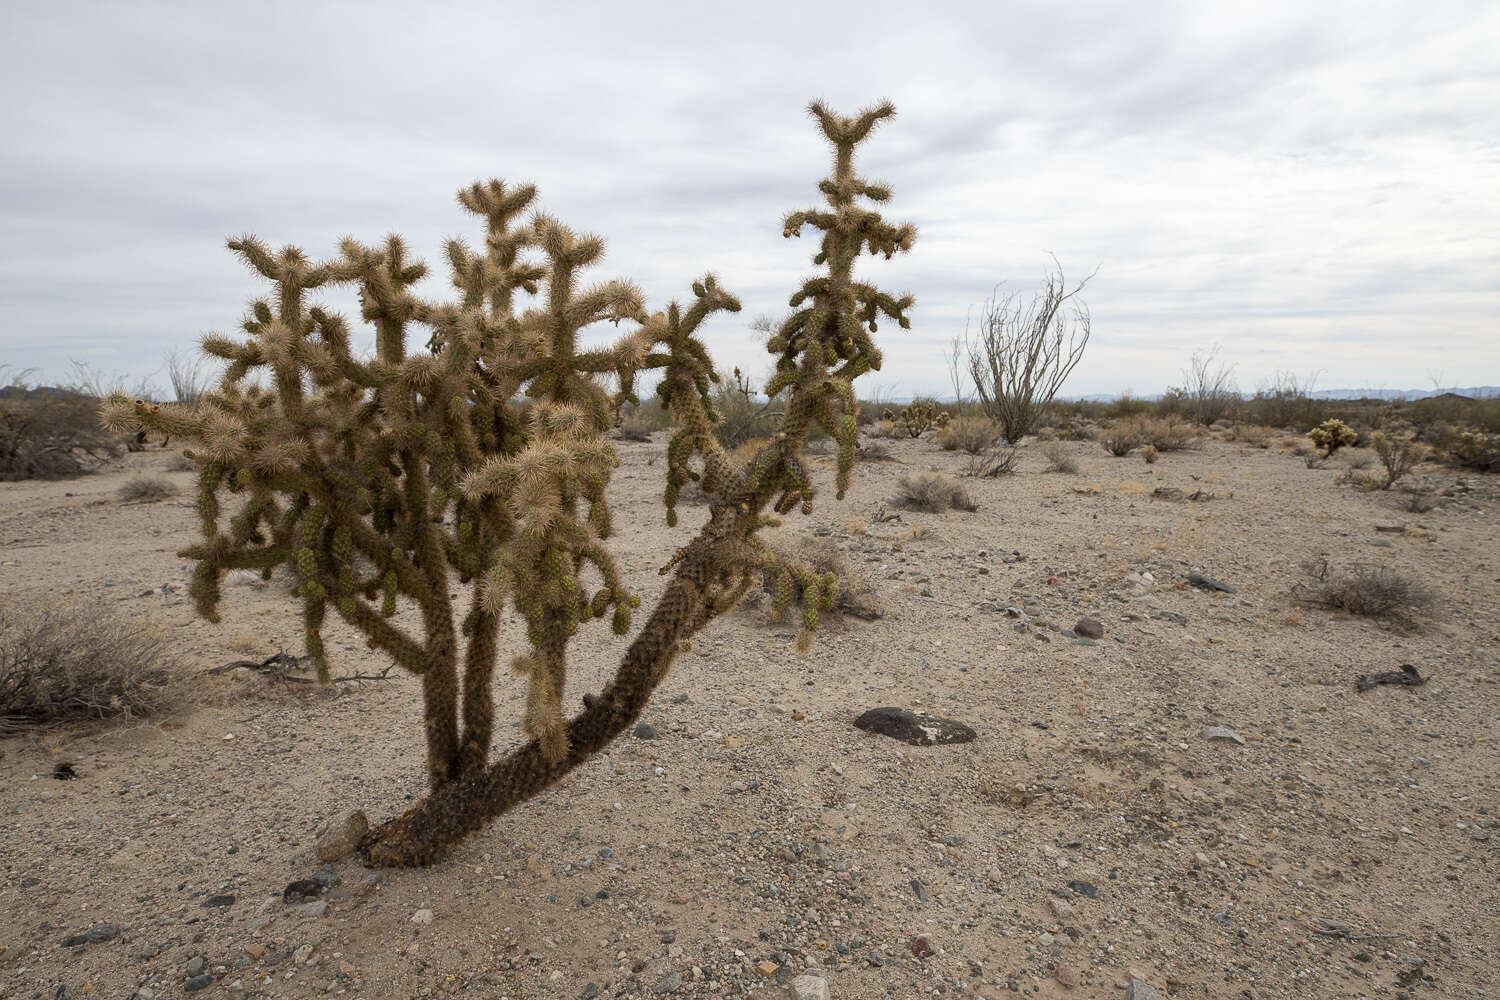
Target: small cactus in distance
{"points": [[479, 467], [1331, 435]]}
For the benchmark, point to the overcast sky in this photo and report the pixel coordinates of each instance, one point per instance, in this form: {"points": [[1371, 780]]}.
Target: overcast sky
{"points": [[1311, 186]]}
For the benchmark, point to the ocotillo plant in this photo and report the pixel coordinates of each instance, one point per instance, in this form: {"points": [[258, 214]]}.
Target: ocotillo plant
{"points": [[482, 461]]}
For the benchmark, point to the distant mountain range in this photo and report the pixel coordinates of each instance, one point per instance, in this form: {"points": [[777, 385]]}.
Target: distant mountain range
{"points": [[1472, 391]]}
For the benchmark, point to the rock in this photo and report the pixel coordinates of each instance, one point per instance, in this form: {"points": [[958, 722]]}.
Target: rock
{"points": [[913, 728], [302, 890], [920, 889], [325, 877], [223, 899], [1066, 975], [1205, 583], [766, 968], [314, 909], [809, 988], [197, 983], [1060, 908], [302, 954], [256, 951], [922, 948], [1141, 990], [1220, 733], [667, 937], [1090, 628], [96, 934], [1085, 889], [1172, 616], [196, 967], [341, 840], [422, 917], [645, 731], [670, 983]]}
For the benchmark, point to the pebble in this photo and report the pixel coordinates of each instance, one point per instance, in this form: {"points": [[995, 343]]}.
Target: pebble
{"points": [[1085, 889], [341, 840], [223, 899], [1141, 990], [809, 988], [423, 917], [302, 954], [314, 909], [1066, 975], [1220, 733], [254, 950], [1060, 909], [645, 731], [198, 983], [94, 935], [196, 966], [670, 983]]}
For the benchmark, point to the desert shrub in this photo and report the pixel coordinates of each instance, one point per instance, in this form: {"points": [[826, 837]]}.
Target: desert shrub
{"points": [[191, 376], [1372, 591], [145, 489], [1059, 458], [1024, 350], [994, 461], [1285, 400], [883, 428], [971, 434], [740, 415], [1331, 435], [1121, 437], [1208, 392], [1166, 434], [817, 560], [415, 497], [873, 451], [1359, 460], [62, 662], [1397, 456], [633, 429], [1150, 454], [933, 492], [50, 433], [1472, 450], [1254, 435]]}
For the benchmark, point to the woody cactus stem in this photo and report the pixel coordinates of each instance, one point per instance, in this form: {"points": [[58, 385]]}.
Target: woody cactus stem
{"points": [[484, 459]]}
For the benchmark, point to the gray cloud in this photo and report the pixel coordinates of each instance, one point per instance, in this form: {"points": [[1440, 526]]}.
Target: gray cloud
{"points": [[1310, 186]]}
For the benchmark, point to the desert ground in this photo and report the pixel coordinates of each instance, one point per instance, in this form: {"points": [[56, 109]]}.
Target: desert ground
{"points": [[1096, 840]]}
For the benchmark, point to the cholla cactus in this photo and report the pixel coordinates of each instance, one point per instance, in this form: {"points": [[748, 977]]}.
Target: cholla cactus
{"points": [[381, 480], [1331, 435], [919, 417]]}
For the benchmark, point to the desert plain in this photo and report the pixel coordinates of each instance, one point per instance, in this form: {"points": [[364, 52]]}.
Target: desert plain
{"points": [[1102, 837]]}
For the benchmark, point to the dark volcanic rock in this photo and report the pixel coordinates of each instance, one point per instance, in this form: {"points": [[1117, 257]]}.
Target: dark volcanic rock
{"points": [[913, 728]]}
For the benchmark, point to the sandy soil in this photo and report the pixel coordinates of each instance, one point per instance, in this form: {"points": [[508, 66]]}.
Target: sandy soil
{"points": [[1091, 834]]}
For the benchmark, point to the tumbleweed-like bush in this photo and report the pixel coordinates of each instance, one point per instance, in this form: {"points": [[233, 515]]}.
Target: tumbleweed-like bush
{"points": [[933, 492], [479, 466], [71, 661]]}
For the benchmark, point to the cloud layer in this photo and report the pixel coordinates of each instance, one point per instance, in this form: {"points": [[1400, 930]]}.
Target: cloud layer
{"points": [[1313, 187]]}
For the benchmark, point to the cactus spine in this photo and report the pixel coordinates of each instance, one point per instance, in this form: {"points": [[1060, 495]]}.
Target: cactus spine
{"points": [[484, 458]]}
